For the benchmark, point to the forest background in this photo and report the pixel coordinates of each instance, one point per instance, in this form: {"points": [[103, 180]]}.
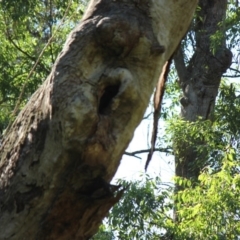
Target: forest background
{"points": [[203, 138]]}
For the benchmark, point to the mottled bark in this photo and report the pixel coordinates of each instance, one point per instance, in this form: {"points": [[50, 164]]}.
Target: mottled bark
{"points": [[200, 79], [66, 144]]}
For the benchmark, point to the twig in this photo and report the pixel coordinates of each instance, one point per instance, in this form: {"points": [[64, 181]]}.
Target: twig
{"points": [[25, 53], [133, 154]]}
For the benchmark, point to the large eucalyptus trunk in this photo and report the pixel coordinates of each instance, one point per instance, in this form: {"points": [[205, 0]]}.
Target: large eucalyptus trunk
{"points": [[59, 156], [201, 78]]}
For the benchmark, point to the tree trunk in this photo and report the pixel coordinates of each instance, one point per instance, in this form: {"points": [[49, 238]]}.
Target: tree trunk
{"points": [[59, 156], [201, 78]]}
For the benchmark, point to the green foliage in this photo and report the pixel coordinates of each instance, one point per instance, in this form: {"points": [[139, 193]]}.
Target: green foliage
{"points": [[210, 209], [206, 210], [227, 113], [233, 24], [172, 91], [209, 138], [143, 211], [103, 233], [26, 27]]}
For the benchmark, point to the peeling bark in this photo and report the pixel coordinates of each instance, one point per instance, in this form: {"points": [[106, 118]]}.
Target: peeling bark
{"points": [[201, 78], [66, 144]]}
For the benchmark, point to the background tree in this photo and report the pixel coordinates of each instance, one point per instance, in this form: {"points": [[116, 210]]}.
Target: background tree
{"points": [[200, 76]]}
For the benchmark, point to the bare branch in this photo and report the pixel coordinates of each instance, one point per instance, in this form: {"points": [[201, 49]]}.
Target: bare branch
{"points": [[231, 76], [133, 154], [147, 116], [24, 52]]}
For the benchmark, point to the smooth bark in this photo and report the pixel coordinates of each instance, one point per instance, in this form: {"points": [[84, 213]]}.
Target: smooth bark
{"points": [[65, 146]]}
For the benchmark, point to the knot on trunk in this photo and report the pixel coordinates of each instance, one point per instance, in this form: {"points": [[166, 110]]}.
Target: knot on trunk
{"points": [[224, 59]]}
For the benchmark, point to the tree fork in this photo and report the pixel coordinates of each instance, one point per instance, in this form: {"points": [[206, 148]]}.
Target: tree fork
{"points": [[59, 156]]}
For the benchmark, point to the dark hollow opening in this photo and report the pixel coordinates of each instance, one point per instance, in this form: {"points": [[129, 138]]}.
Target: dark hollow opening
{"points": [[105, 102]]}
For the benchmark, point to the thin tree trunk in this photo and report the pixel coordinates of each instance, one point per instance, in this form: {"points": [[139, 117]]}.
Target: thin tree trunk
{"points": [[65, 146], [201, 78]]}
